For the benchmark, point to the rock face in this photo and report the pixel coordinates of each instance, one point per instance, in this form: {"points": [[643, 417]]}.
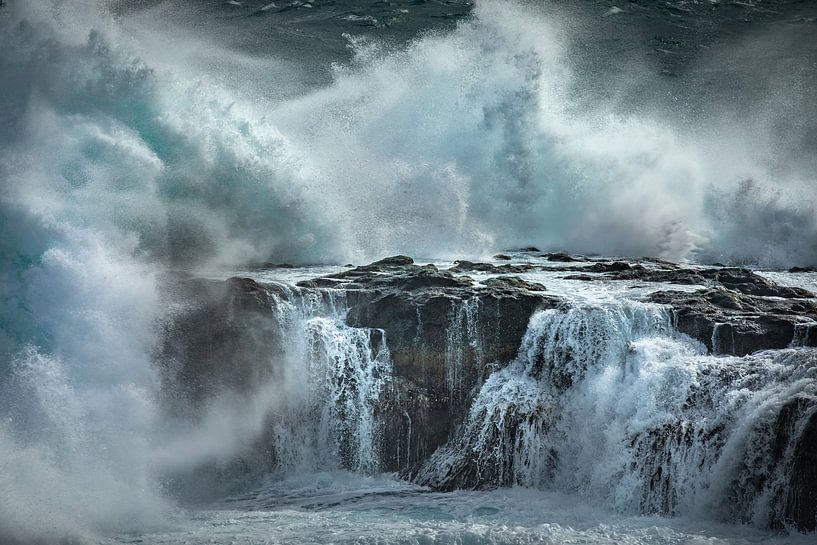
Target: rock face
{"points": [[736, 312], [214, 337], [445, 335], [731, 322], [801, 500]]}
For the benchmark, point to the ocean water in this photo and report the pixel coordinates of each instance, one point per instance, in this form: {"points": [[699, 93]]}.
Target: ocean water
{"points": [[141, 137], [341, 508]]}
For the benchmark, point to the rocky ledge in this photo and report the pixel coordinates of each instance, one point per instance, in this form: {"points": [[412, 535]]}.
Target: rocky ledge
{"points": [[736, 311], [446, 332]]}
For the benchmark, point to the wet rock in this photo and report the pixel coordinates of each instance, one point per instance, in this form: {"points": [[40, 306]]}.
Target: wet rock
{"points": [[442, 342], [394, 261], [796, 440], [737, 279], [801, 499], [514, 283], [508, 268], [408, 277], [502, 257], [736, 323], [443, 332], [470, 266], [447, 333], [213, 340], [561, 257], [580, 277], [613, 267], [412, 428], [319, 283]]}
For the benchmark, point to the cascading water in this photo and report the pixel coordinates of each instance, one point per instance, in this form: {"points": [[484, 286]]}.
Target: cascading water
{"points": [[462, 339], [606, 400], [332, 379]]}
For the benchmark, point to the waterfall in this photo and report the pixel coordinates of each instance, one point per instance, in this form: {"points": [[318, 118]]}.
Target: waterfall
{"points": [[331, 377], [607, 400], [462, 338]]}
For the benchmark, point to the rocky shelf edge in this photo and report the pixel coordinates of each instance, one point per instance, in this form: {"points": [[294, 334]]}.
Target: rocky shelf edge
{"points": [[218, 327], [435, 321]]}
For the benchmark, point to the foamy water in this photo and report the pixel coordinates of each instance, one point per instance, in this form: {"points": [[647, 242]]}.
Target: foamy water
{"points": [[349, 509]]}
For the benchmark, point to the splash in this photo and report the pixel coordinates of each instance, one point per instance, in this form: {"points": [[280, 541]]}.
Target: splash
{"points": [[457, 144]]}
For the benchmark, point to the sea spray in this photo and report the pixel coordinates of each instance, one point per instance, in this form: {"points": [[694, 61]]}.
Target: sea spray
{"points": [[119, 160]]}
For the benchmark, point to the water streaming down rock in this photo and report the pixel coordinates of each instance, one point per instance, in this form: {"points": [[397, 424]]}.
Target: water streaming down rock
{"points": [[609, 401], [804, 334], [605, 398], [330, 421], [463, 340], [347, 375], [314, 380], [519, 401]]}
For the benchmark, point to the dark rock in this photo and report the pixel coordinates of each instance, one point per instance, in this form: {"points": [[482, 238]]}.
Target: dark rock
{"points": [[737, 279], [428, 330], [400, 277], [802, 269], [508, 268], [470, 266], [319, 283], [529, 249], [561, 257], [796, 440], [502, 257], [213, 341], [513, 282], [446, 334], [581, 277], [269, 265], [433, 320], [801, 500], [731, 322], [612, 267], [394, 261]]}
